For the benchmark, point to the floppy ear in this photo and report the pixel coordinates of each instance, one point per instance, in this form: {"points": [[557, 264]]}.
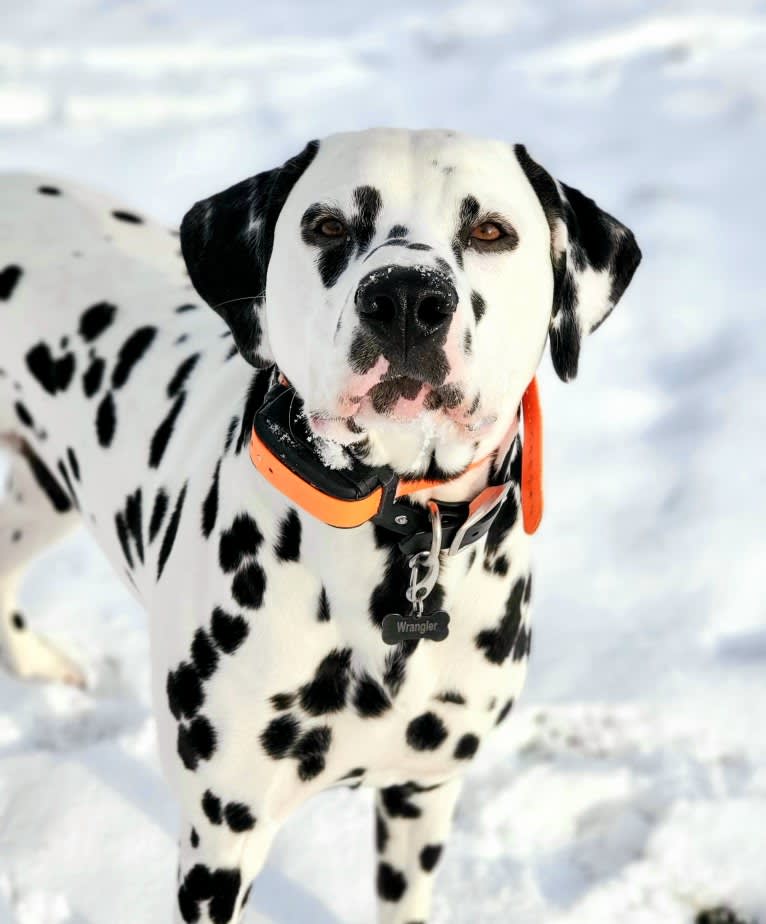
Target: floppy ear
{"points": [[594, 257], [226, 242]]}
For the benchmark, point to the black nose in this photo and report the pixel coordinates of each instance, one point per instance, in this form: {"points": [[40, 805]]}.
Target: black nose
{"points": [[405, 305]]}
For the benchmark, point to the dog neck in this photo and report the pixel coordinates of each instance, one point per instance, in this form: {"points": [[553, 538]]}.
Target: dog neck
{"points": [[349, 493]]}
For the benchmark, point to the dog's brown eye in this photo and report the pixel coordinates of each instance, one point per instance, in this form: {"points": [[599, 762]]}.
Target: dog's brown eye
{"points": [[331, 227], [488, 231]]}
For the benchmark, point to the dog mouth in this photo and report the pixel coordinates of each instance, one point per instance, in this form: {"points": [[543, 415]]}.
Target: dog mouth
{"points": [[400, 399], [403, 397]]}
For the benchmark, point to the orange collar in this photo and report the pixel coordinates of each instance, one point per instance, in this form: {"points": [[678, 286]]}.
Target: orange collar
{"points": [[275, 454]]}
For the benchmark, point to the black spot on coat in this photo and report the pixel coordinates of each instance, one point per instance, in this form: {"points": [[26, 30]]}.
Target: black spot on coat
{"points": [[426, 732], [181, 374], [396, 665], [226, 886], [23, 414], [279, 736], [497, 643], [199, 883], [478, 305], [46, 481], [230, 432], [310, 752], [210, 504], [158, 514], [523, 645], [93, 376], [204, 655], [397, 801], [429, 857], [211, 806], [239, 817], [54, 375], [451, 696], [68, 482], [249, 586], [133, 515], [200, 739], [184, 691], [502, 715], [95, 320], [288, 547], [9, 279], [170, 533], [188, 907], [323, 607], [106, 420], [391, 883], [164, 432], [466, 747], [281, 701], [381, 832], [237, 543], [122, 535], [229, 632], [130, 353], [130, 217], [73, 463], [327, 691], [370, 699], [501, 565]]}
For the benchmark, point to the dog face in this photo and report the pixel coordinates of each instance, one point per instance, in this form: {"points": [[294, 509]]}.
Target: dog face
{"points": [[406, 282]]}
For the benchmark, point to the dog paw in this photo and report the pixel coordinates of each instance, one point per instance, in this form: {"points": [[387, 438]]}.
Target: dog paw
{"points": [[33, 657]]}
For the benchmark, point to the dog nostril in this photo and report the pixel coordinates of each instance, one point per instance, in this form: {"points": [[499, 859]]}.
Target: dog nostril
{"points": [[432, 311], [380, 307]]}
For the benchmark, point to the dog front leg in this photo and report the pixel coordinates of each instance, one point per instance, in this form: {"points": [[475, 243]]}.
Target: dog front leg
{"points": [[412, 824], [216, 870]]}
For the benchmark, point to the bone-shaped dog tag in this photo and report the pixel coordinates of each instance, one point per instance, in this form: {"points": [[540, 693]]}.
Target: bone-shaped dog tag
{"points": [[434, 627]]}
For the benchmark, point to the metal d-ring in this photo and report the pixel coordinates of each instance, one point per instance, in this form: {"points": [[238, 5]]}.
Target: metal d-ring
{"points": [[419, 587]]}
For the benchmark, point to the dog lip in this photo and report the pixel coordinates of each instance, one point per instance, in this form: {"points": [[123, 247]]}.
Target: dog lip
{"points": [[402, 379]]}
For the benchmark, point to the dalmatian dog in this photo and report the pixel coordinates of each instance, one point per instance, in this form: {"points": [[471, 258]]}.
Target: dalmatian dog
{"points": [[404, 284]]}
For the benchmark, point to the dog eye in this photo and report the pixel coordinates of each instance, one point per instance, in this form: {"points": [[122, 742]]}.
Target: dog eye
{"points": [[331, 227], [488, 231]]}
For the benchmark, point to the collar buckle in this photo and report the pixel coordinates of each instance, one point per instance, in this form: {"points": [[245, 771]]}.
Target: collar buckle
{"points": [[481, 513], [455, 525]]}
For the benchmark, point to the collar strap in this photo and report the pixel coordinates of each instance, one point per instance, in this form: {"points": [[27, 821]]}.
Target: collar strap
{"points": [[281, 448]]}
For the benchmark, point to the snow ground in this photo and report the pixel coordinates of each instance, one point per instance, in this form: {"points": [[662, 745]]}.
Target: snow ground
{"points": [[631, 786]]}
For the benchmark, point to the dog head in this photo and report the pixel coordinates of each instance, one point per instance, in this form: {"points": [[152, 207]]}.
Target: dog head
{"points": [[406, 282]]}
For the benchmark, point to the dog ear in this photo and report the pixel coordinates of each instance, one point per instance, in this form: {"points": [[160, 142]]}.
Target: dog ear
{"points": [[594, 257], [226, 241]]}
